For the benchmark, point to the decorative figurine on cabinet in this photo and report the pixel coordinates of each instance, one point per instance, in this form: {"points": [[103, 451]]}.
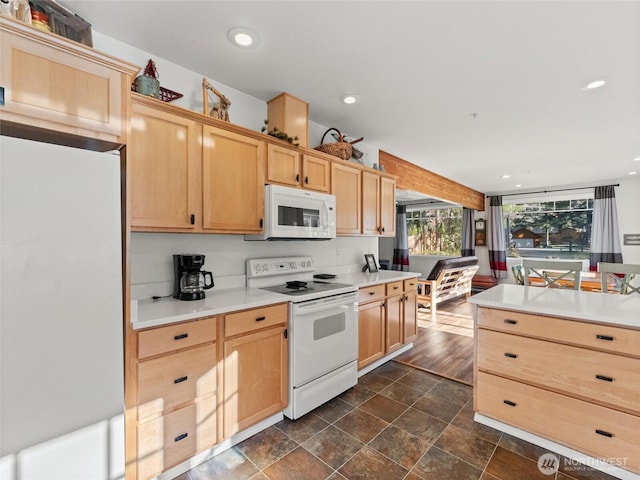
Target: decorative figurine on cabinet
{"points": [[220, 109]]}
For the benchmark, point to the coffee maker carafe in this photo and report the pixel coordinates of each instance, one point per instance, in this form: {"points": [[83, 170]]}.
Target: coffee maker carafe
{"points": [[190, 280]]}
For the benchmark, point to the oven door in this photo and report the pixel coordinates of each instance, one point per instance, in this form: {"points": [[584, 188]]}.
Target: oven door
{"points": [[324, 336]]}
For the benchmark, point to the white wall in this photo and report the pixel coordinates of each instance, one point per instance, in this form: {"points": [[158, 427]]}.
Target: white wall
{"points": [[628, 203]]}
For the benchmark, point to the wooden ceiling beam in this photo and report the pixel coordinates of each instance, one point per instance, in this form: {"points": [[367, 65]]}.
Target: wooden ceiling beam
{"points": [[413, 177]]}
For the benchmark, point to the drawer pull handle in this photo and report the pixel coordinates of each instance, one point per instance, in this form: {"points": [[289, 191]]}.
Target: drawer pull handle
{"points": [[181, 379], [605, 337], [510, 403], [181, 336], [605, 378], [181, 437], [510, 355], [604, 433], [372, 293], [259, 319], [510, 322], [396, 287]]}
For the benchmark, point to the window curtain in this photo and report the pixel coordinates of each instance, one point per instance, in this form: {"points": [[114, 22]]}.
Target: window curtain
{"points": [[401, 244], [468, 232], [605, 235], [496, 240]]}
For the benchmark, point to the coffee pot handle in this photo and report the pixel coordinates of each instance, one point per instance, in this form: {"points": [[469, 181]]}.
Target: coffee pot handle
{"points": [[209, 285]]}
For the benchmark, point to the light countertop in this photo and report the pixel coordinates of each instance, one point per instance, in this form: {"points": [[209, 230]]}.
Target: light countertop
{"points": [[618, 310], [153, 313]]}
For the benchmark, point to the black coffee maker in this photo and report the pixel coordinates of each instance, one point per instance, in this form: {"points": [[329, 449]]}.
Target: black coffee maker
{"points": [[190, 280]]}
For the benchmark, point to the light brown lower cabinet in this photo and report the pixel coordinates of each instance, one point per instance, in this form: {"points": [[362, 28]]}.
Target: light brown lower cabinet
{"points": [[200, 382], [575, 383], [387, 319], [177, 394], [255, 366]]}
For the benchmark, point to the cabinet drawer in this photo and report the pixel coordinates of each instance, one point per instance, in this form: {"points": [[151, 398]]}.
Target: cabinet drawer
{"points": [[609, 379], [169, 440], [411, 285], [575, 423], [249, 320], [395, 288], [374, 292], [174, 337], [602, 337], [167, 382]]}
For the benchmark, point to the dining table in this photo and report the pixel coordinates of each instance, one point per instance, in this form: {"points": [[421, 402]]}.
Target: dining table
{"points": [[589, 281]]}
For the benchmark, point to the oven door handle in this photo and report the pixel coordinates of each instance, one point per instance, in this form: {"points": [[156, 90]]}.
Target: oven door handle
{"points": [[313, 307]]}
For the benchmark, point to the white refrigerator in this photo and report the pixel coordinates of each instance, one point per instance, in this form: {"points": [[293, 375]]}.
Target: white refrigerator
{"points": [[61, 342]]}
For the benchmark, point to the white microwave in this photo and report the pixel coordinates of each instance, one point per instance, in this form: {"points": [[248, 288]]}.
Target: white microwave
{"points": [[294, 213]]}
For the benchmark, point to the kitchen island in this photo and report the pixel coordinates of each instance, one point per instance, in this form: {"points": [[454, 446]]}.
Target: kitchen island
{"points": [[561, 369]]}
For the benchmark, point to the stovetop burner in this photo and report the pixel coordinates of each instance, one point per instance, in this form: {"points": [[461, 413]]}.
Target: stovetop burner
{"points": [[297, 285]]}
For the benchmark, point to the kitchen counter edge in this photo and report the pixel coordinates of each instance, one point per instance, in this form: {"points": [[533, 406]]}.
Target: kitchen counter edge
{"points": [[155, 313], [595, 307]]}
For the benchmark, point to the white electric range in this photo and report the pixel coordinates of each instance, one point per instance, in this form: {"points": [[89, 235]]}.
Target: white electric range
{"points": [[323, 329]]}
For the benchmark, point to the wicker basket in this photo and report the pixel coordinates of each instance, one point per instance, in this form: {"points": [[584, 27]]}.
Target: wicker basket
{"points": [[340, 149]]}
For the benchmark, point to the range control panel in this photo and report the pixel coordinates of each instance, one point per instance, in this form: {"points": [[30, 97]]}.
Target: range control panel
{"points": [[266, 267]]}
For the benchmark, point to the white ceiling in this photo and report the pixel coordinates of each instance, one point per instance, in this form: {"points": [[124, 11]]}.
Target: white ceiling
{"points": [[424, 70]]}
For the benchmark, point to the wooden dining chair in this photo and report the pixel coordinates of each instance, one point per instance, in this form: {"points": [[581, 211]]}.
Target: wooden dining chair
{"points": [[552, 274], [517, 274], [626, 282]]}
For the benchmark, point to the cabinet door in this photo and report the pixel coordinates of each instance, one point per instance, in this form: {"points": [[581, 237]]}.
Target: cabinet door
{"points": [[387, 207], [232, 182], [164, 156], [371, 332], [255, 378], [54, 83], [370, 203], [395, 332], [283, 166], [345, 185], [316, 173], [410, 316]]}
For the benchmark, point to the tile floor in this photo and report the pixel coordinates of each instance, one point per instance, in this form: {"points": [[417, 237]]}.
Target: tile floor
{"points": [[398, 423]]}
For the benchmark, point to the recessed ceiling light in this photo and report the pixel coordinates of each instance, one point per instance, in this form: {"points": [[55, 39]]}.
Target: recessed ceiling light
{"points": [[637, 159], [633, 173], [518, 185], [243, 37], [349, 98], [594, 84], [505, 176]]}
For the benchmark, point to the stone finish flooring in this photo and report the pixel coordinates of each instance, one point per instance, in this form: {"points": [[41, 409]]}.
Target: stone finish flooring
{"points": [[398, 423]]}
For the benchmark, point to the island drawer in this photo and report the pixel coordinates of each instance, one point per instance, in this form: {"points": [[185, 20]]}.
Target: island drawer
{"points": [[368, 294], [592, 429], [608, 379], [599, 336], [255, 319], [165, 383], [166, 441], [156, 341]]}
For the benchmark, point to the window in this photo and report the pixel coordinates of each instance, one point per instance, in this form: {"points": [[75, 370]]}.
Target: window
{"points": [[549, 228], [436, 231]]}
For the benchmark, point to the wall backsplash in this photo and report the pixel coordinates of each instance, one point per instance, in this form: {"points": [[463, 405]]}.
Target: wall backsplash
{"points": [[152, 268]]}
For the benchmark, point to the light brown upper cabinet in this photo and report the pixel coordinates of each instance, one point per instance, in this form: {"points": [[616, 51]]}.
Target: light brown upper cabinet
{"points": [[378, 205], [232, 182], [187, 175], [165, 159], [346, 186], [53, 83], [287, 166]]}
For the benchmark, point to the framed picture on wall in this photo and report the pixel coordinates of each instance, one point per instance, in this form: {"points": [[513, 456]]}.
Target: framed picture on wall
{"points": [[481, 238]]}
